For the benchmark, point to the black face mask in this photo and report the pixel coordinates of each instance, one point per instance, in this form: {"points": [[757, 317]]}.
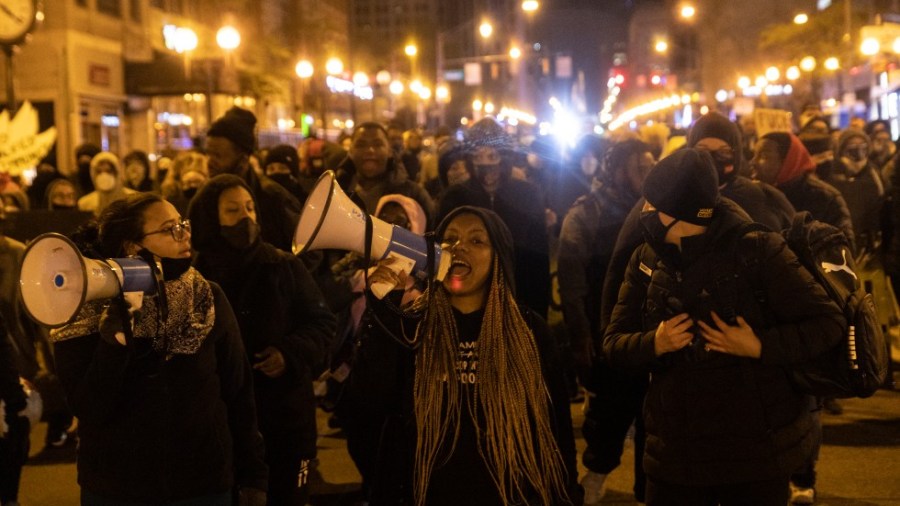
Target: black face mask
{"points": [[655, 235], [286, 181], [241, 235], [722, 161], [189, 193], [173, 268]]}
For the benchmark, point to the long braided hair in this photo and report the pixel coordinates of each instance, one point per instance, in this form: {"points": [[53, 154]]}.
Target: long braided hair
{"points": [[510, 405]]}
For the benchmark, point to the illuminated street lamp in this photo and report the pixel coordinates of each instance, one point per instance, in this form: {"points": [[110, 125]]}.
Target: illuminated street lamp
{"points": [[761, 82], [304, 69], [832, 63], [425, 93], [688, 11], [383, 77], [442, 93], [411, 50], [485, 29], [530, 5], [743, 82], [396, 88], [185, 40], [515, 53], [661, 46], [808, 64], [772, 74], [334, 66], [415, 86], [228, 38], [896, 45], [489, 108], [792, 73], [477, 105], [801, 19], [360, 79]]}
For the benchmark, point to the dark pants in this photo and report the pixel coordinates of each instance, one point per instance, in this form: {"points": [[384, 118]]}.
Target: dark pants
{"points": [[805, 477], [288, 470], [13, 454], [616, 403], [89, 499], [759, 493]]}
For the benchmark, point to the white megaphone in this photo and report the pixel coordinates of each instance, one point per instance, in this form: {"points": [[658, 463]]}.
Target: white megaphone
{"points": [[55, 280], [330, 220]]}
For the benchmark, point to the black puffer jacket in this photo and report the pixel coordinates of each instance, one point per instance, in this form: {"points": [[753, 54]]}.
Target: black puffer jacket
{"points": [[714, 418], [823, 201]]}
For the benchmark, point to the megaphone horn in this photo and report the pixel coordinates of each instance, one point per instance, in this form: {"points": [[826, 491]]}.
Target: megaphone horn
{"points": [[330, 220], [55, 280]]}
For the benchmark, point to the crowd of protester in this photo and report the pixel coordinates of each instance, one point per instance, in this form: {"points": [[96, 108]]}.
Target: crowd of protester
{"points": [[204, 394]]}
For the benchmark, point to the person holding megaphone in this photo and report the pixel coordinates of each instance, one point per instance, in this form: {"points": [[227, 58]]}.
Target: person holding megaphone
{"points": [[482, 410], [164, 395], [285, 325]]}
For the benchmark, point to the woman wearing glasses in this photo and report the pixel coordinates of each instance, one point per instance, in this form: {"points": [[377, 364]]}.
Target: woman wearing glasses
{"points": [[285, 325], [164, 395]]}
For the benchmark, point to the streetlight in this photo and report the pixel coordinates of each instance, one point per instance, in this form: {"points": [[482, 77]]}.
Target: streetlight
{"points": [[896, 45], [485, 29], [425, 93], [185, 40], [688, 11], [415, 86], [396, 88], [743, 82], [360, 79], [228, 38], [383, 77], [530, 5], [792, 73], [411, 50], [477, 105], [808, 64], [334, 66], [772, 74], [801, 19], [442, 93], [515, 53], [832, 63], [661, 46], [304, 69], [489, 108], [761, 82]]}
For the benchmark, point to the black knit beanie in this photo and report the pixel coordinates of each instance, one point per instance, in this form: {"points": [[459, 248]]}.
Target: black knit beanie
{"points": [[684, 185], [287, 155], [237, 125], [717, 126]]}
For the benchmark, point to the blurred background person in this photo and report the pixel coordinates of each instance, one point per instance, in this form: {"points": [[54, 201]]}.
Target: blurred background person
{"points": [[108, 178], [188, 173], [282, 164], [137, 171]]}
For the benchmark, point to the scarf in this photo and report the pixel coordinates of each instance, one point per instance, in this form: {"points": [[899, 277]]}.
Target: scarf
{"points": [[191, 317]]}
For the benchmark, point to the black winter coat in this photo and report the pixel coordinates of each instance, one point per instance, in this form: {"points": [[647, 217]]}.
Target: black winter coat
{"points": [[763, 202], [823, 201], [278, 304], [521, 207], [713, 418], [278, 210], [154, 431], [379, 401]]}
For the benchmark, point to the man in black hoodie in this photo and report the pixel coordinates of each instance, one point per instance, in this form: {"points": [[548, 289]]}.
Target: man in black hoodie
{"points": [[230, 142]]}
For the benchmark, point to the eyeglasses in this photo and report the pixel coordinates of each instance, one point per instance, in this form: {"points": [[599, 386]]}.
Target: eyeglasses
{"points": [[179, 230]]}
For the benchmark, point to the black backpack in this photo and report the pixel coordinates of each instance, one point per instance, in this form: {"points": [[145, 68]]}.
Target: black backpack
{"points": [[858, 365]]}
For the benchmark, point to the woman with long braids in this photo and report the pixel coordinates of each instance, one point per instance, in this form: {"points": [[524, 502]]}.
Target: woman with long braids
{"points": [[163, 396], [485, 405]]}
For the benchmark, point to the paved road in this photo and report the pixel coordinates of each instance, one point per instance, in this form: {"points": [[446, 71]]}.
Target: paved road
{"points": [[859, 466]]}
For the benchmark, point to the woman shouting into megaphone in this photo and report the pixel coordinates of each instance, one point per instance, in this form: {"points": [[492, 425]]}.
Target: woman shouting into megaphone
{"points": [[164, 396], [481, 411]]}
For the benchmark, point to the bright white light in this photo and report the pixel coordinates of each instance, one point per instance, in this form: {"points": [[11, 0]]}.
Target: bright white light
{"points": [[801, 18], [772, 73], [515, 53], [485, 29], [688, 11], [415, 86], [704, 110], [489, 108], [792, 73], [411, 50], [396, 88], [360, 78], [349, 123], [761, 81], [530, 5], [334, 66], [442, 93], [184, 39], [743, 82], [425, 93], [808, 64], [477, 105], [832, 63], [228, 38], [721, 96], [304, 69], [383, 77], [896, 45], [870, 47], [661, 46]]}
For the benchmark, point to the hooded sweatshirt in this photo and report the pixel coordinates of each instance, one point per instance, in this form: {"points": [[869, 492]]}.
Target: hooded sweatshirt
{"points": [[97, 200]]}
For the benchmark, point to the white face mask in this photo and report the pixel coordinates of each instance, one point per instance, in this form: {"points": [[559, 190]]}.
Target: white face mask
{"points": [[105, 182]]}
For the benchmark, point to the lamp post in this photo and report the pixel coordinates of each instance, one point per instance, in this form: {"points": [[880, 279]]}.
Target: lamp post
{"points": [[228, 39], [304, 70]]}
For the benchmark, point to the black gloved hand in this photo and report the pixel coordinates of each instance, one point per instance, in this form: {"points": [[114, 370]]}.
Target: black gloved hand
{"points": [[116, 323]]}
